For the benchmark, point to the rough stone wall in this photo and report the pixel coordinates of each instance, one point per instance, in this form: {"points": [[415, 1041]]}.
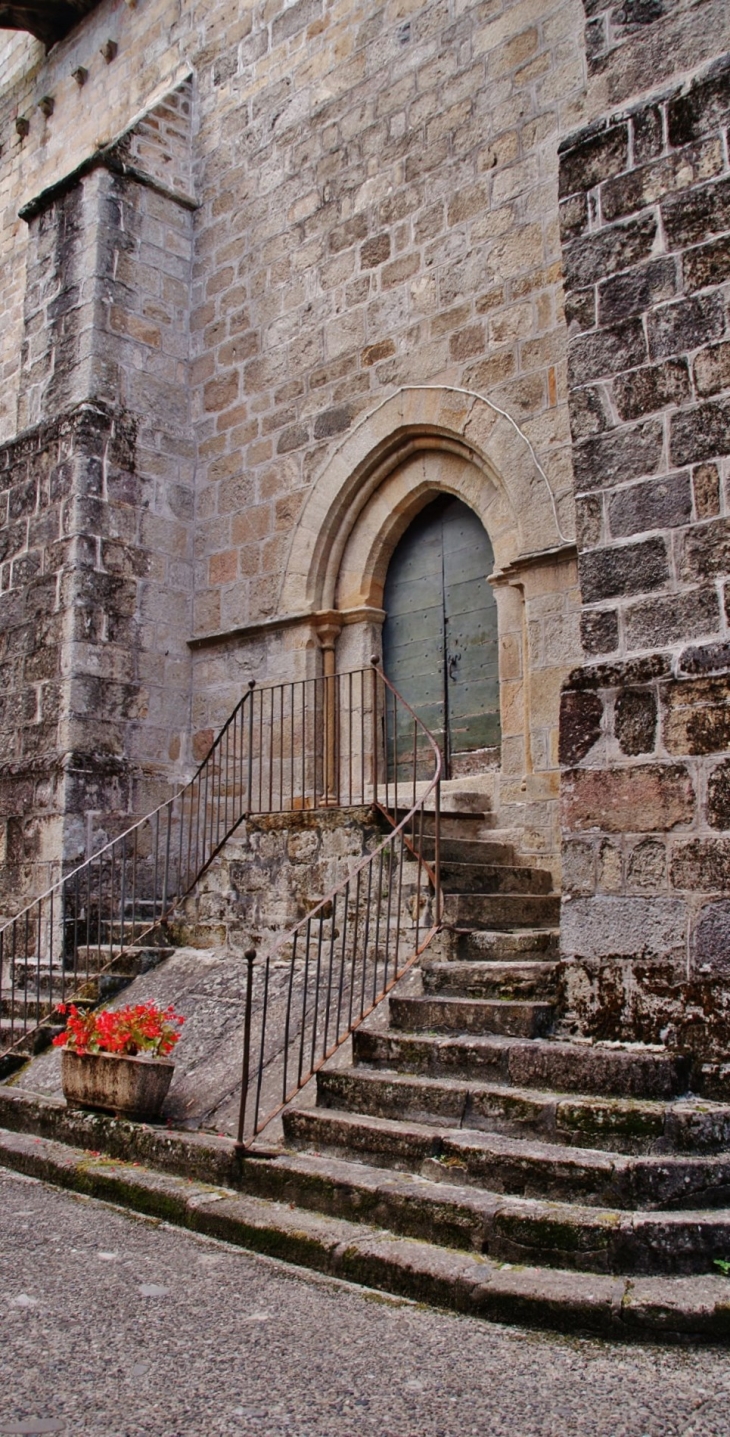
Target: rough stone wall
{"points": [[645, 736], [96, 521], [271, 873], [377, 190], [39, 476]]}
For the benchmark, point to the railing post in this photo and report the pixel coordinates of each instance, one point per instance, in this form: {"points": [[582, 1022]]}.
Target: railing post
{"points": [[250, 956]]}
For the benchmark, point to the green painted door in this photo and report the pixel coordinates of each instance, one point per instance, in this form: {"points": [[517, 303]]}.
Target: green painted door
{"points": [[440, 633]]}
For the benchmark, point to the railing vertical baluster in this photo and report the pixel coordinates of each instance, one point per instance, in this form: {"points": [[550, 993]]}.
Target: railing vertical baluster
{"points": [[134, 887], [13, 979], [50, 951], [355, 935], [366, 935], [343, 949], [328, 1003], [123, 891], [305, 987], [111, 907], [264, 1016], [317, 979], [377, 923], [287, 1022], [250, 956], [99, 912], [163, 905], [76, 928], [388, 917]]}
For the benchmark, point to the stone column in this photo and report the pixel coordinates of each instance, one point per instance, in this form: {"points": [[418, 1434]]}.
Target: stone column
{"points": [[329, 627]]}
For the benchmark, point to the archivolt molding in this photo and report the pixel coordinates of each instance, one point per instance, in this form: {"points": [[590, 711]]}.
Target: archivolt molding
{"points": [[419, 442]]}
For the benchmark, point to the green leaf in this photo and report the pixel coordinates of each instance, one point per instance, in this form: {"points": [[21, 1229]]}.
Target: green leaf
{"points": [[722, 1264]]}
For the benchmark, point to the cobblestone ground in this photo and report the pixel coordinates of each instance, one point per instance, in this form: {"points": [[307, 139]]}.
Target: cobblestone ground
{"points": [[115, 1326]]}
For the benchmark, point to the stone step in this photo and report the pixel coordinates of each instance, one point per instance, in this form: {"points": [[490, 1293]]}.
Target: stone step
{"points": [[131, 960], [567, 1067], [491, 980], [501, 910], [478, 878], [652, 1307], [468, 825], [520, 1166], [495, 945], [438, 1014], [469, 850], [621, 1125], [504, 1227]]}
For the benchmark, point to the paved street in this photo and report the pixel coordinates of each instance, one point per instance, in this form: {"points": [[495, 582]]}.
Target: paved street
{"points": [[114, 1326]]}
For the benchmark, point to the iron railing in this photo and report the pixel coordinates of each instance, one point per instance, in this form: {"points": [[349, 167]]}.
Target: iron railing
{"points": [[336, 741], [307, 994]]}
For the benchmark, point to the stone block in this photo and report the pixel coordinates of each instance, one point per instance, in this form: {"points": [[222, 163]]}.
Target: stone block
{"points": [[640, 798], [660, 503], [604, 927], [581, 717], [700, 433], [705, 551], [711, 939], [602, 353], [647, 865], [623, 570], [619, 455], [718, 796], [712, 369], [594, 159], [636, 289], [587, 261], [599, 631], [703, 107], [672, 617], [642, 391], [701, 866], [707, 265], [635, 721], [696, 716], [675, 328], [696, 214], [706, 487]]}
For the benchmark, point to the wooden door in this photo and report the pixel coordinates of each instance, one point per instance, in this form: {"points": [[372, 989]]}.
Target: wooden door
{"points": [[440, 633]]}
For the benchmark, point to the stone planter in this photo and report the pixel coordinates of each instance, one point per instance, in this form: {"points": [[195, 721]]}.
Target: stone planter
{"points": [[127, 1087]]}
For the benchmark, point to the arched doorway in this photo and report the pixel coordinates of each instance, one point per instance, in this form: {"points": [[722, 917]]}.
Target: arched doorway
{"points": [[440, 644]]}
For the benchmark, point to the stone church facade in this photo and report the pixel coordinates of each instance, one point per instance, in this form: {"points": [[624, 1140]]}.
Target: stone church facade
{"points": [[273, 279]]}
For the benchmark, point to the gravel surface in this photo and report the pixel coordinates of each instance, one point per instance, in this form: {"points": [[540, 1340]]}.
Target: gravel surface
{"points": [[117, 1326]]}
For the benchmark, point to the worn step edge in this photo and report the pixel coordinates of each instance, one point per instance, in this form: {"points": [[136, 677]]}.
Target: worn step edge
{"points": [[525, 1061], [457, 1015], [550, 1231], [672, 1309], [552, 1171], [681, 1125]]}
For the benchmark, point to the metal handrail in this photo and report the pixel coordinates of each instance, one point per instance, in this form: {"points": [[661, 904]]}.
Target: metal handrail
{"points": [[336, 741], [317, 983]]}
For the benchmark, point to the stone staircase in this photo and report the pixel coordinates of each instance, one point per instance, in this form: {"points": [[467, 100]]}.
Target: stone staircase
{"points": [[467, 1123], [469, 1155]]}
